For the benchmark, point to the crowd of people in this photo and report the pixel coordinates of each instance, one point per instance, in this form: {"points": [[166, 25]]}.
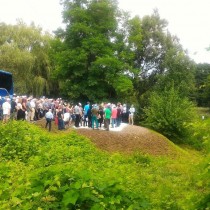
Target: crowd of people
{"points": [[65, 114]]}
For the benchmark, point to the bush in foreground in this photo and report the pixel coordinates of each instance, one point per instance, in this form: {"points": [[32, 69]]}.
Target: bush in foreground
{"points": [[66, 171]]}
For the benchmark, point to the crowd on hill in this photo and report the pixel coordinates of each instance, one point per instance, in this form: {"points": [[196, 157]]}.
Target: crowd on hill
{"points": [[65, 114]]}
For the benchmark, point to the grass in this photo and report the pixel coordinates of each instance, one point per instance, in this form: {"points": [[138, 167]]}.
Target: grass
{"points": [[67, 172]]}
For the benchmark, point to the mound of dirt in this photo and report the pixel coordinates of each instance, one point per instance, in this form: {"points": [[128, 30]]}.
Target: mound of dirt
{"points": [[130, 139]]}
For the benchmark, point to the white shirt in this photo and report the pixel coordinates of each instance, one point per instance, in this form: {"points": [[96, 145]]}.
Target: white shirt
{"points": [[32, 103], [6, 107], [49, 115], [132, 110], [66, 116]]}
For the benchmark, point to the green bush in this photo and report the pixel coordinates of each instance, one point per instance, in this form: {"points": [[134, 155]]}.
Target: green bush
{"points": [[66, 171], [20, 140], [204, 183], [170, 114], [43, 171]]}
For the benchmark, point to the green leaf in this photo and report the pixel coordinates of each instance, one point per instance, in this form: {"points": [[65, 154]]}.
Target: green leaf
{"points": [[70, 196], [97, 207]]}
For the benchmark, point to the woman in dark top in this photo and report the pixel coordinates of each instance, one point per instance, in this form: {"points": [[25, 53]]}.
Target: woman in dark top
{"points": [[21, 115], [60, 119], [89, 115], [100, 115]]}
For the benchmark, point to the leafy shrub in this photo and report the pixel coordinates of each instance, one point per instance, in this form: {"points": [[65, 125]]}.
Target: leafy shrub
{"points": [[170, 114], [200, 136], [66, 171], [20, 140], [204, 183], [59, 172]]}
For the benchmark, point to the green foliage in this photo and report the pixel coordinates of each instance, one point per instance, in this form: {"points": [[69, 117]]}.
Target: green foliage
{"points": [[202, 77], [24, 52], [204, 201], [19, 144], [170, 114], [65, 171], [89, 59], [180, 70]]}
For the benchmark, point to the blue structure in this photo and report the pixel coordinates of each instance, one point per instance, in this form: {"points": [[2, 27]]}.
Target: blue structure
{"points": [[6, 84]]}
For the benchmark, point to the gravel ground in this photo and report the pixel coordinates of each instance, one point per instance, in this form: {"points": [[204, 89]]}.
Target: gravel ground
{"points": [[126, 139]]}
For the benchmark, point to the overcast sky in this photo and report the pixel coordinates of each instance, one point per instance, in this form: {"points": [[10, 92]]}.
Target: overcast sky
{"points": [[187, 19]]}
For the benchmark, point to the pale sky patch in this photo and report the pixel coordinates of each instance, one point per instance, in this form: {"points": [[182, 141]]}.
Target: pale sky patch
{"points": [[187, 19]]}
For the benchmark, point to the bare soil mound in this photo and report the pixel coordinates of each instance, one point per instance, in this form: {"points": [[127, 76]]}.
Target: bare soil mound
{"points": [[131, 139]]}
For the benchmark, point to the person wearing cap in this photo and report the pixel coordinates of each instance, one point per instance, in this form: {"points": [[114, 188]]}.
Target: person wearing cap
{"points": [[49, 118], [6, 110]]}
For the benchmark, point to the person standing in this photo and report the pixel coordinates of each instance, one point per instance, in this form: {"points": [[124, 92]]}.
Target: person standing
{"points": [[119, 114], [6, 110], [28, 109], [89, 116], [114, 116], [66, 118], [100, 115], [124, 114], [13, 114], [49, 118], [21, 115], [77, 115], [107, 116], [86, 108], [33, 105], [131, 114], [94, 118], [60, 119]]}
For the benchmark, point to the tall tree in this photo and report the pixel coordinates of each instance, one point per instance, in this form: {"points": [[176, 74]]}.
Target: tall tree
{"points": [[24, 52], [89, 67], [202, 78], [158, 55]]}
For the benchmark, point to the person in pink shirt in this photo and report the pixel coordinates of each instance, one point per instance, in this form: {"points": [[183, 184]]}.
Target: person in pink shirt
{"points": [[114, 116]]}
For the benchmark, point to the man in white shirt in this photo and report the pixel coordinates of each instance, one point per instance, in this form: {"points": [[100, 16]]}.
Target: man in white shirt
{"points": [[131, 114], [49, 118], [6, 106]]}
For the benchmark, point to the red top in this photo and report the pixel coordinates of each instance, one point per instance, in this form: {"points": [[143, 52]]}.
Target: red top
{"points": [[114, 113]]}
